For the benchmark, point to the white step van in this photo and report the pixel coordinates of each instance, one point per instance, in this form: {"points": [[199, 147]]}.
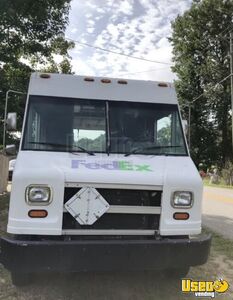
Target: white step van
{"points": [[103, 181]]}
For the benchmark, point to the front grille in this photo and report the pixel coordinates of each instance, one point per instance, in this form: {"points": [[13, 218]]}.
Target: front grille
{"points": [[119, 220], [115, 221], [123, 197]]}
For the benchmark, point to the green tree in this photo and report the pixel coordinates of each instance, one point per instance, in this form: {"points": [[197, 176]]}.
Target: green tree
{"points": [[30, 27], [31, 35], [200, 39]]}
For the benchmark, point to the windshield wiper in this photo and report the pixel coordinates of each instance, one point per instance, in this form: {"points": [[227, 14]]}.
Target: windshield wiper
{"points": [[71, 150], [148, 148]]}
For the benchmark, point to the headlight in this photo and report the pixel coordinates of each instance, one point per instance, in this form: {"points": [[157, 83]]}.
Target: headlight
{"points": [[38, 194], [182, 199]]}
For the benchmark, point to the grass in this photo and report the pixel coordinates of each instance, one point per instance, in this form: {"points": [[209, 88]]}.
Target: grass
{"points": [[220, 244], [4, 202], [4, 205], [220, 185]]}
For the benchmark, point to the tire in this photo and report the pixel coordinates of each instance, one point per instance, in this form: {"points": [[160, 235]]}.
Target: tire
{"points": [[177, 273], [20, 279]]}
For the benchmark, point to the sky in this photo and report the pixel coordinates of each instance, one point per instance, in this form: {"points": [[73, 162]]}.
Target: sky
{"points": [[137, 28]]}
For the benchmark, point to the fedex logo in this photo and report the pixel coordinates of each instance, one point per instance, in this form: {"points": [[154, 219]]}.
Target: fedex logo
{"points": [[121, 165]]}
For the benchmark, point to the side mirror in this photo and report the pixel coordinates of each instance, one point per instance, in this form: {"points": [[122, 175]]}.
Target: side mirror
{"points": [[10, 150], [11, 122]]}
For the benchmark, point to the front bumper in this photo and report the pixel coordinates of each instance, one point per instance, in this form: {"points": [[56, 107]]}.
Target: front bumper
{"points": [[103, 255]]}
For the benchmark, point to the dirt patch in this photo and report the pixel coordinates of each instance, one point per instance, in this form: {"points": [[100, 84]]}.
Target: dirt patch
{"points": [[4, 206], [115, 286], [111, 286]]}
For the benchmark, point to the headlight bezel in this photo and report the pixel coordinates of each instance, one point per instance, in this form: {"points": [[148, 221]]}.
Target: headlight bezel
{"points": [[182, 206], [38, 203]]}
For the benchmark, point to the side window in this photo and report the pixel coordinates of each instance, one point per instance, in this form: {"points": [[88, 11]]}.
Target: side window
{"points": [[34, 129], [163, 135], [177, 137]]}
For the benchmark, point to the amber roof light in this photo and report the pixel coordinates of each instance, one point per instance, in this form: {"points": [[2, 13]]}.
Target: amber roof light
{"points": [[44, 75], [105, 80], [163, 84], [90, 79], [122, 81]]}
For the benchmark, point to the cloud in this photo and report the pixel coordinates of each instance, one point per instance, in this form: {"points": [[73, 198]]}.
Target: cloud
{"points": [[133, 27], [125, 7], [90, 29]]}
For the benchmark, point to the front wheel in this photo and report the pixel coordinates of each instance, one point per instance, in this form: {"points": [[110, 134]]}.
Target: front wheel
{"points": [[20, 279]]}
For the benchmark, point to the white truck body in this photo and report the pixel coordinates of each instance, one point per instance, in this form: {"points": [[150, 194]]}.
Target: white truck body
{"points": [[56, 171], [164, 173], [168, 173]]}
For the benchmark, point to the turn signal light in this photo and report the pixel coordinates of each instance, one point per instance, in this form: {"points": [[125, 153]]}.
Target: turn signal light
{"points": [[181, 216], [37, 213]]}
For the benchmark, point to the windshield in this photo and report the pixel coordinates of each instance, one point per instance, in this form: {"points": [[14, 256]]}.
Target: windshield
{"points": [[78, 125]]}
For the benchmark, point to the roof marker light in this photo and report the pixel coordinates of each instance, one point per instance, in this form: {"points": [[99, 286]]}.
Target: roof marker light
{"points": [[44, 76], [163, 84], [105, 80], [89, 79], [122, 82]]}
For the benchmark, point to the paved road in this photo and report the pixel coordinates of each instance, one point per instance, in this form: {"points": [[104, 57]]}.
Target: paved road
{"points": [[218, 210]]}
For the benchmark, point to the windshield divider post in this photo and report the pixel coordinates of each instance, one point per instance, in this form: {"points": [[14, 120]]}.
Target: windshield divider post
{"points": [[108, 129]]}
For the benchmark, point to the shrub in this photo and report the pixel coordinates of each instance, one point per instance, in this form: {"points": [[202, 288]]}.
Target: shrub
{"points": [[227, 173]]}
